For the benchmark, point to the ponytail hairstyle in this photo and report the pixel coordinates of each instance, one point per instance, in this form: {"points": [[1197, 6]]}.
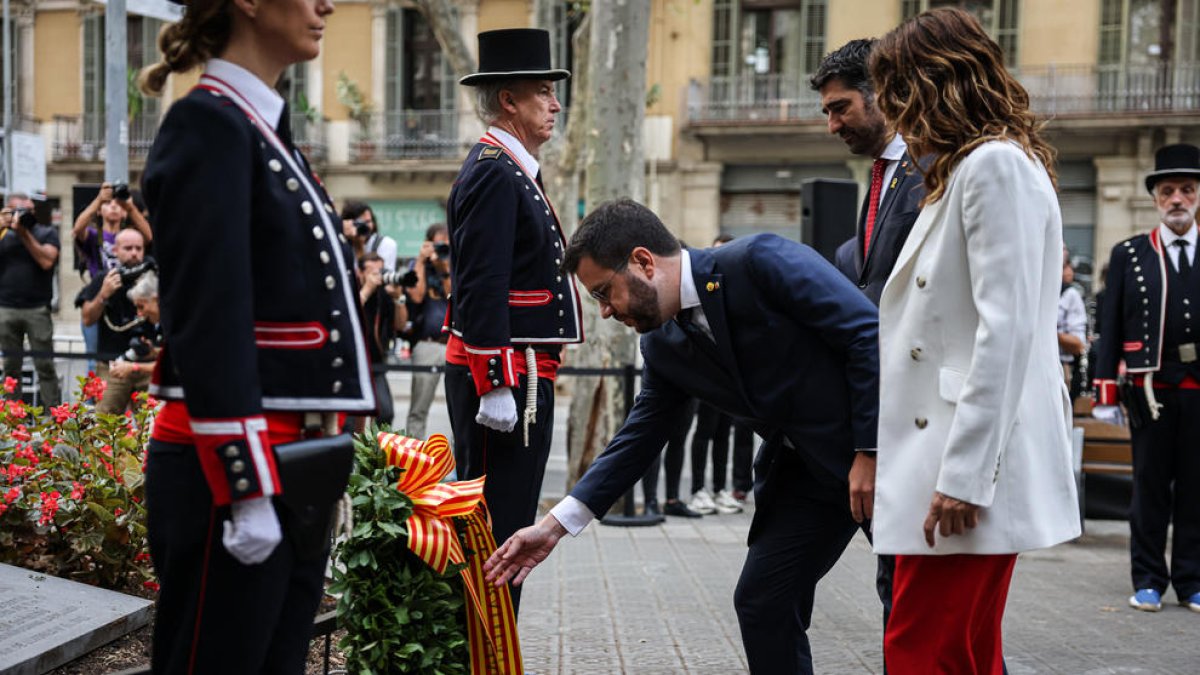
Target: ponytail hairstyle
{"points": [[200, 35]]}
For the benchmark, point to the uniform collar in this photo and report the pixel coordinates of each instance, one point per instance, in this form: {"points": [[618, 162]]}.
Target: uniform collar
{"points": [[266, 101], [895, 149], [518, 150], [689, 297], [1168, 237]]}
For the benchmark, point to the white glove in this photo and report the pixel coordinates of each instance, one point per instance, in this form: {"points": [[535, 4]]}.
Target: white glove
{"points": [[1108, 413], [498, 410], [253, 532]]}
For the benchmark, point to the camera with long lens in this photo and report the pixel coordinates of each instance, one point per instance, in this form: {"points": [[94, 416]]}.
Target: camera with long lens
{"points": [[362, 228], [442, 249], [25, 217], [130, 273], [139, 350], [121, 191], [402, 279]]}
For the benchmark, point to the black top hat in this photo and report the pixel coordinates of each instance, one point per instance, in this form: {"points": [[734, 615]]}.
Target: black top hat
{"points": [[514, 54], [1170, 161]]}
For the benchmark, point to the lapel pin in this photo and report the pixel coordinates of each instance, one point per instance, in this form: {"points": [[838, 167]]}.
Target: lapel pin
{"points": [[712, 286]]}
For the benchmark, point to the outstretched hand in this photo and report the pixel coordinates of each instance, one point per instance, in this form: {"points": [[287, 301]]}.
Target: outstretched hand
{"points": [[523, 551]]}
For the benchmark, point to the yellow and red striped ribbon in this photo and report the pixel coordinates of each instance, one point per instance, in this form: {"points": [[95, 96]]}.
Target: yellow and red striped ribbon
{"points": [[491, 622]]}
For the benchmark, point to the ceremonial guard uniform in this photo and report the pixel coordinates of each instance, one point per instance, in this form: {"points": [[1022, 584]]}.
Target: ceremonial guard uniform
{"points": [[261, 325], [512, 308], [1152, 323]]}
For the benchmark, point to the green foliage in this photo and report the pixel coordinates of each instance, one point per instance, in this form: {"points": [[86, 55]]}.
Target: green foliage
{"points": [[349, 95], [400, 616], [71, 490]]}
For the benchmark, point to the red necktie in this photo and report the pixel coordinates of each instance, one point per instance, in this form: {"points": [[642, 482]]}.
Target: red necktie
{"points": [[873, 206]]}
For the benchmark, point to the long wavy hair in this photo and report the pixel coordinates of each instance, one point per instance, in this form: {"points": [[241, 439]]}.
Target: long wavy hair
{"points": [[201, 34], [942, 83]]}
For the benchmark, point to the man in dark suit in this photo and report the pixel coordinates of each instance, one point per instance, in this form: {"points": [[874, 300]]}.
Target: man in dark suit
{"points": [[894, 198], [710, 319]]}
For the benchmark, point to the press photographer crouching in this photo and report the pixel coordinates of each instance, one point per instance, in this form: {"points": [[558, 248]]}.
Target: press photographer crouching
{"points": [[384, 313], [427, 302], [124, 333], [359, 226]]}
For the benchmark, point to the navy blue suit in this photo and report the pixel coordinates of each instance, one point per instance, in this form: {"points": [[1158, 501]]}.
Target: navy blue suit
{"points": [[795, 359]]}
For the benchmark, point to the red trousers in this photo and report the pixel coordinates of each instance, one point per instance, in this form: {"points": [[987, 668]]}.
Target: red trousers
{"points": [[946, 614]]}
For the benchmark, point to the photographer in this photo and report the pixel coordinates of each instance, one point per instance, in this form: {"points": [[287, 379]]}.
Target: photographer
{"points": [[131, 371], [427, 301], [105, 301], [28, 253], [384, 312], [359, 226], [96, 228]]}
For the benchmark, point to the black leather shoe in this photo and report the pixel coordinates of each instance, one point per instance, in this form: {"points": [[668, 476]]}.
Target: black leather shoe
{"points": [[651, 509], [678, 508]]}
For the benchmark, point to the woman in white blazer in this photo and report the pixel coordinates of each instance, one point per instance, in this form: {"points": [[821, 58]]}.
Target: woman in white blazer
{"points": [[974, 461]]}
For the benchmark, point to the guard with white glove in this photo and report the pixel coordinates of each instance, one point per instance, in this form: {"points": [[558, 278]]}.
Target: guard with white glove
{"points": [[498, 410], [253, 531], [1110, 414]]}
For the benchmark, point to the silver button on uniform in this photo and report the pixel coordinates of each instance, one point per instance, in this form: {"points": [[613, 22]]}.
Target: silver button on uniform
{"points": [[306, 207], [318, 233], [231, 451], [275, 165], [237, 466], [337, 386], [242, 485], [338, 362], [292, 184], [325, 257], [330, 282], [334, 335]]}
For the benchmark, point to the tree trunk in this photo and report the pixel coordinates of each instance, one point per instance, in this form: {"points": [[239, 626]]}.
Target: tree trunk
{"points": [[561, 156], [614, 168], [440, 16]]}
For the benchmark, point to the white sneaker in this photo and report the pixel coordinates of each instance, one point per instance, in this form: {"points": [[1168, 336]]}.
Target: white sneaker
{"points": [[702, 503], [726, 504]]}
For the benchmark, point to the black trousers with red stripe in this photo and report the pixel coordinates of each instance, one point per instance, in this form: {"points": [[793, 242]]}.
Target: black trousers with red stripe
{"points": [[215, 615], [514, 471]]}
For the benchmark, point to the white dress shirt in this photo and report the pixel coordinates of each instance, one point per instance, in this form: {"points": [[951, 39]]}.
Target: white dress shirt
{"points": [[1169, 238], [517, 149], [265, 100], [892, 153]]}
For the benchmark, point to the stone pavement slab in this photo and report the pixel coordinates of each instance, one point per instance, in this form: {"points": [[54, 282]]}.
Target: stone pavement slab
{"points": [[46, 621]]}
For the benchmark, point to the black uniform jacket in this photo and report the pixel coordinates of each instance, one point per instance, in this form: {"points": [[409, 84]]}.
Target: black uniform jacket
{"points": [[1135, 302], [258, 294], [506, 247]]}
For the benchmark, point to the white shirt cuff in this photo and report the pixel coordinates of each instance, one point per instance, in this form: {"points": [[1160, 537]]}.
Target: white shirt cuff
{"points": [[572, 515]]}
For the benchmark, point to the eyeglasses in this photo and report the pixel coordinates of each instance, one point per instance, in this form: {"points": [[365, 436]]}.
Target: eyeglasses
{"points": [[600, 293]]}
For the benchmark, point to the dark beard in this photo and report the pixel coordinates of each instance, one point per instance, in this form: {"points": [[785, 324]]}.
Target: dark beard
{"points": [[643, 306]]}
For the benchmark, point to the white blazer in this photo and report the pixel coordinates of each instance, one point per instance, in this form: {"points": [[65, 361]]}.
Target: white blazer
{"points": [[972, 401]]}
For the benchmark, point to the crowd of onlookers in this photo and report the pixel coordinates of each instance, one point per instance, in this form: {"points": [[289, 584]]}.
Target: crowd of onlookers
{"points": [[404, 301]]}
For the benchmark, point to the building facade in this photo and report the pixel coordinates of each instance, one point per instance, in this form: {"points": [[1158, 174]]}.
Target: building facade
{"points": [[732, 131]]}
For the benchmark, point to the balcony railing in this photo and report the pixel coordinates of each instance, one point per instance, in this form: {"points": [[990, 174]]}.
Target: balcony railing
{"points": [[409, 134], [80, 138], [1103, 90], [1054, 91], [309, 136]]}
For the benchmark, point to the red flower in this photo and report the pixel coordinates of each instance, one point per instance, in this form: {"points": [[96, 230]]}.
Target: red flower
{"points": [[141, 557], [62, 413], [94, 389], [118, 511], [3, 508], [152, 585], [10, 384], [49, 507], [106, 449], [11, 495], [16, 409], [21, 433], [76, 490]]}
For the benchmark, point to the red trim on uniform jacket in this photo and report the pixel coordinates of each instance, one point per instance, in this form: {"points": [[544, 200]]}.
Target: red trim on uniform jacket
{"points": [[459, 353], [290, 335], [529, 298], [1106, 392]]}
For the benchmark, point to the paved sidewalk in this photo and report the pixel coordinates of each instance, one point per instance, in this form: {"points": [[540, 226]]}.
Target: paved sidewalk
{"points": [[659, 599]]}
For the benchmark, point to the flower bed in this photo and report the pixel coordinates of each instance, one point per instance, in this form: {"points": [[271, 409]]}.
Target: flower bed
{"points": [[71, 489]]}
